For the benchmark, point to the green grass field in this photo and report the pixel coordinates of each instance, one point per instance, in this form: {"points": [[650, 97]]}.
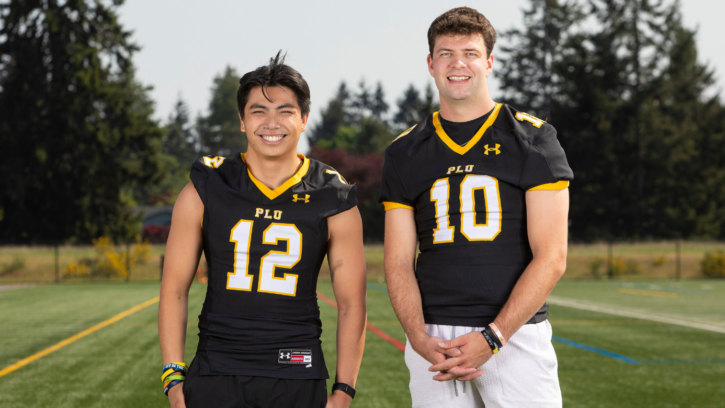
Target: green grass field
{"points": [[118, 366]]}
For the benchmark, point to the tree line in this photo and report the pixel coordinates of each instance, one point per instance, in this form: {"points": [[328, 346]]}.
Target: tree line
{"points": [[636, 112]]}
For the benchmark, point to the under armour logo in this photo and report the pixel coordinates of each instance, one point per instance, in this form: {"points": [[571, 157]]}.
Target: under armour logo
{"points": [[492, 149], [285, 355], [305, 199]]}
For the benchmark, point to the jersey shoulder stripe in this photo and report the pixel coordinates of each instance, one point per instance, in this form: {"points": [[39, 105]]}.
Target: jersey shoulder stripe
{"points": [[404, 133]]}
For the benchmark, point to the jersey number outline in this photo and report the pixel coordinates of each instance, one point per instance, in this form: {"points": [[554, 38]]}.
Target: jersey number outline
{"points": [[487, 231], [240, 279]]}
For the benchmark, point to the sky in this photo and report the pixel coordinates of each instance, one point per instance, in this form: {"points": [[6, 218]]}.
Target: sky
{"points": [[186, 43]]}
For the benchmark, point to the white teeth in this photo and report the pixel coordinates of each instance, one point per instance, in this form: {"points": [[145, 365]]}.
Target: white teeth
{"points": [[458, 78], [272, 138]]}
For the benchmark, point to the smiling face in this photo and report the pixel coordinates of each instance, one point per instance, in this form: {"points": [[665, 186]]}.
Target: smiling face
{"points": [[273, 128], [460, 66]]}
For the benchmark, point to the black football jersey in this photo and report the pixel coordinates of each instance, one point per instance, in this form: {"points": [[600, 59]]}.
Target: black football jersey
{"points": [[470, 208], [264, 249]]}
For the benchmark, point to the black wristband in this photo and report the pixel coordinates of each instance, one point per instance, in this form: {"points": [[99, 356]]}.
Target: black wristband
{"points": [[344, 388], [493, 336], [490, 342]]}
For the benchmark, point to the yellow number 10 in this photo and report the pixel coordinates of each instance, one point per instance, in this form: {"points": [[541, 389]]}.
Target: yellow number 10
{"points": [[487, 231]]}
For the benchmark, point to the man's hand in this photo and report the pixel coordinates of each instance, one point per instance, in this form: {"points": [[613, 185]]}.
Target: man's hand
{"points": [[429, 348], [338, 399], [176, 396], [473, 352]]}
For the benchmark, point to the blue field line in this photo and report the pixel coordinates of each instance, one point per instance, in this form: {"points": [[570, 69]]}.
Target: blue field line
{"points": [[594, 350], [377, 288]]}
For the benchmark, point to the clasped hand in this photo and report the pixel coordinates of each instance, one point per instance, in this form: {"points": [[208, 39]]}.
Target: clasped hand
{"points": [[458, 358]]}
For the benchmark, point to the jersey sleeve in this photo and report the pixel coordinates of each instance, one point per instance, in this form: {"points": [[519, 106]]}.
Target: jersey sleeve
{"points": [[346, 193], [546, 167], [199, 175], [392, 189]]}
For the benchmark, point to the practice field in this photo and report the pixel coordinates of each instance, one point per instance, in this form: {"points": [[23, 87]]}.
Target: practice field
{"points": [[605, 359]]}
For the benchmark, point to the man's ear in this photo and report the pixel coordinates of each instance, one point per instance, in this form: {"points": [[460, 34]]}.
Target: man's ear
{"points": [[304, 121], [430, 64], [242, 127], [489, 63]]}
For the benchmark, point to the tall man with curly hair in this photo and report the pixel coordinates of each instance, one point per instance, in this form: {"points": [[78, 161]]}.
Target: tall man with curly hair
{"points": [[482, 190]]}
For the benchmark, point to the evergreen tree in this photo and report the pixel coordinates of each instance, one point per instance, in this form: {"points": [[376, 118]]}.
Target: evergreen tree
{"points": [[362, 103], [219, 131], [379, 107], [409, 108], [77, 126], [527, 75], [335, 115], [428, 104], [626, 97], [180, 141]]}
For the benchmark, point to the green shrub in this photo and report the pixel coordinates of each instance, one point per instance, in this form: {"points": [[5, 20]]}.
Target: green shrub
{"points": [[594, 267], [17, 264], [621, 267], [713, 265], [658, 261]]}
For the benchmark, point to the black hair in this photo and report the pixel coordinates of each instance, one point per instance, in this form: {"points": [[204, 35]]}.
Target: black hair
{"points": [[274, 74]]}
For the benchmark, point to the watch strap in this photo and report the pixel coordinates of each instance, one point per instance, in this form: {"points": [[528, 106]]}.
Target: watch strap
{"points": [[344, 388]]}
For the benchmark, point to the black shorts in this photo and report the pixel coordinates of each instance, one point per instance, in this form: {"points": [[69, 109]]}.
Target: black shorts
{"points": [[241, 391]]}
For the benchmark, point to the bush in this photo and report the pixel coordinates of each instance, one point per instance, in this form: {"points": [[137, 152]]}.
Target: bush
{"points": [[17, 264], [621, 267], [109, 262], [594, 267], [713, 265], [658, 261]]}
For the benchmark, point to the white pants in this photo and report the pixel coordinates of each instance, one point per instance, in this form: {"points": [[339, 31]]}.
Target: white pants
{"points": [[523, 374]]}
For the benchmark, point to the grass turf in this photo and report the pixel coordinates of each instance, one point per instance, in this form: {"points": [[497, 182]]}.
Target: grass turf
{"points": [[118, 366]]}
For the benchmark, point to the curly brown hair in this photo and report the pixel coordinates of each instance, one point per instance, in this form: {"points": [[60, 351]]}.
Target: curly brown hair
{"points": [[462, 20]]}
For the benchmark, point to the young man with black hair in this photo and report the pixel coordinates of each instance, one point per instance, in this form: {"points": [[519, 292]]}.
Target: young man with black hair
{"points": [[265, 220], [483, 189]]}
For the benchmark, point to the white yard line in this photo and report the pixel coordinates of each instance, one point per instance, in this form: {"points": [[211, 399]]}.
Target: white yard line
{"points": [[554, 300]]}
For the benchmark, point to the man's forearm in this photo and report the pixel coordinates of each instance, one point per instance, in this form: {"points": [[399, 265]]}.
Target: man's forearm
{"points": [[173, 313], [529, 293], [350, 342], [406, 300]]}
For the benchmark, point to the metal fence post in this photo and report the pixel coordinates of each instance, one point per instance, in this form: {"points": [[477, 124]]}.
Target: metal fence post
{"points": [[678, 262], [610, 259], [128, 262], [57, 265]]}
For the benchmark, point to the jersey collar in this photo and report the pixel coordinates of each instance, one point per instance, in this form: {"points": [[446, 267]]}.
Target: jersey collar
{"points": [[465, 148], [296, 178]]}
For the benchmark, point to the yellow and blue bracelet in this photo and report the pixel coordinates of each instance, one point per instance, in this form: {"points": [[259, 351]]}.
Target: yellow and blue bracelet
{"points": [[173, 374]]}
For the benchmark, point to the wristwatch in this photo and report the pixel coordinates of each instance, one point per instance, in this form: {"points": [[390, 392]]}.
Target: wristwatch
{"points": [[344, 388]]}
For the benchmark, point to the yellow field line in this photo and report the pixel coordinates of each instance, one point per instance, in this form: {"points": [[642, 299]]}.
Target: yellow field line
{"points": [[645, 292], [78, 336]]}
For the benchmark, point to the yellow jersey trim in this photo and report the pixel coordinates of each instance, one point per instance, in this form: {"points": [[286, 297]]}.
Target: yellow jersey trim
{"points": [[391, 206], [468, 146], [296, 178], [559, 185], [404, 133]]}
